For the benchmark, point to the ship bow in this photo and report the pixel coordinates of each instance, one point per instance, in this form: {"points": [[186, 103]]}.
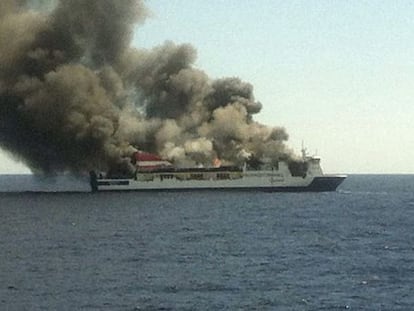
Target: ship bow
{"points": [[326, 183]]}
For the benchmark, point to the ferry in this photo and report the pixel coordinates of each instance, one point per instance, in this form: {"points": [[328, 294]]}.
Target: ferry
{"points": [[155, 174]]}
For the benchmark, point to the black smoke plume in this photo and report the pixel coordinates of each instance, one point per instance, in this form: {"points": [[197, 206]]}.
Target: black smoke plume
{"points": [[75, 96]]}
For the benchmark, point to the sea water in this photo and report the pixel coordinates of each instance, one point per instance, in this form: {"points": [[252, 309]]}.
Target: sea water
{"points": [[351, 249]]}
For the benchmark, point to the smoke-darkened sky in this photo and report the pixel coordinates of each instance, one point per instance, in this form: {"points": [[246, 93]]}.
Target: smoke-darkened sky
{"points": [[75, 95], [338, 76]]}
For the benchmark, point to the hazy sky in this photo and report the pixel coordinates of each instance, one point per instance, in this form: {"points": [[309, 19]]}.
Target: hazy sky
{"points": [[338, 75]]}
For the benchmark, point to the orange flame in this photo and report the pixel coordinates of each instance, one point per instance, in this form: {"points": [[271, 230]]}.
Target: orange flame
{"points": [[216, 162]]}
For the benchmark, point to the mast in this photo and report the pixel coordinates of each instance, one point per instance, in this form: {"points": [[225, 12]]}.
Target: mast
{"points": [[304, 151]]}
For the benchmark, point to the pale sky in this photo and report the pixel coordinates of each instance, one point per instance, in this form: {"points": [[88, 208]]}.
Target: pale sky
{"points": [[338, 75]]}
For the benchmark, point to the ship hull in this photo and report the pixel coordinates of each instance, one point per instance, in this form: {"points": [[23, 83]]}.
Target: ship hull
{"points": [[315, 184]]}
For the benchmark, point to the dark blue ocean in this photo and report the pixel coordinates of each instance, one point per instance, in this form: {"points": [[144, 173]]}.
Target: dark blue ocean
{"points": [[348, 250]]}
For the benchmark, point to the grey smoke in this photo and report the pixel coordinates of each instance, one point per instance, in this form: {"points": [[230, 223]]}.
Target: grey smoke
{"points": [[75, 96]]}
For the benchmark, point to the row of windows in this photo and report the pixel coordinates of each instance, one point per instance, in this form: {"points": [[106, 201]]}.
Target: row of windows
{"points": [[197, 176], [223, 176]]}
